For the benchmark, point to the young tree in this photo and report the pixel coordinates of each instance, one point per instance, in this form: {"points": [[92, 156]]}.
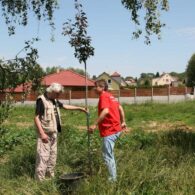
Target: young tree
{"points": [[190, 72], [81, 43], [18, 71]]}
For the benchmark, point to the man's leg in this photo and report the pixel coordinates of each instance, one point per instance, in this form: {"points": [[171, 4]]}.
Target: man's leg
{"points": [[52, 158], [108, 154], [43, 152]]}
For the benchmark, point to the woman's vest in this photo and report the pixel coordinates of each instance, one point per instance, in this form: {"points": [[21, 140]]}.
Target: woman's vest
{"points": [[48, 120]]}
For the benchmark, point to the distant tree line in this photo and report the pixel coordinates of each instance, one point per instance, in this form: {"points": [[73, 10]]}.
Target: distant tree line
{"points": [[37, 72]]}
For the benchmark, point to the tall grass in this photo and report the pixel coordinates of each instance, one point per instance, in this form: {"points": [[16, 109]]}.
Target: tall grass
{"points": [[155, 157]]}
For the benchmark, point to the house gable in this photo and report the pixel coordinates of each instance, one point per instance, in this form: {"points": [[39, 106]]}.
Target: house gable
{"points": [[164, 79], [66, 78], [112, 83]]}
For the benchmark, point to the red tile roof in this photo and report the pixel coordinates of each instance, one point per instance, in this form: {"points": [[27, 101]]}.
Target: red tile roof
{"points": [[115, 74], [67, 78]]}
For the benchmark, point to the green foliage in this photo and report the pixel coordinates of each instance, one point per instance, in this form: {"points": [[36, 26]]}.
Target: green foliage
{"points": [[11, 135], [5, 108], [180, 76], [145, 79], [152, 14], [157, 74], [17, 12], [160, 162], [54, 69], [77, 32], [21, 70], [10, 138], [190, 72], [78, 70], [142, 140], [147, 75]]}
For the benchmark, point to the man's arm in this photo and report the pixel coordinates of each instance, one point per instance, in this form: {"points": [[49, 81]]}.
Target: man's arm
{"points": [[70, 107], [122, 117], [40, 130], [101, 117], [38, 113]]}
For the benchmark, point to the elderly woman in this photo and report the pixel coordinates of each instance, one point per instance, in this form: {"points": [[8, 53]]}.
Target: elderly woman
{"points": [[48, 123]]}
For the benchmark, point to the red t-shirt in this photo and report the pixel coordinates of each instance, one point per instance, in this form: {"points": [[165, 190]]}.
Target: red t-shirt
{"points": [[111, 123]]}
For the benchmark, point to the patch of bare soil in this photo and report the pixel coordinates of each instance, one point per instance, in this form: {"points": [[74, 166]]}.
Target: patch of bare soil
{"points": [[24, 124], [3, 159], [154, 126], [82, 128], [20, 124]]}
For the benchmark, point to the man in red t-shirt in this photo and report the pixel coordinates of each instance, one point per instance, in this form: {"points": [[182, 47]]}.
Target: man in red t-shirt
{"points": [[111, 121]]}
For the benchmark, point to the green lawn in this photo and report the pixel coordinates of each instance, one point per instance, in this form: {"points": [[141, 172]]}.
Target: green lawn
{"points": [[156, 155]]}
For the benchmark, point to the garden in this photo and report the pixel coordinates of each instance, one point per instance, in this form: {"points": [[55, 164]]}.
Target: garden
{"points": [[156, 155]]}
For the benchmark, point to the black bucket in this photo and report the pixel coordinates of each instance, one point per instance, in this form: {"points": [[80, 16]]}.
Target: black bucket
{"points": [[70, 182]]}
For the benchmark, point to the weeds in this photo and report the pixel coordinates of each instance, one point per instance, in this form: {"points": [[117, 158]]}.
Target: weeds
{"points": [[154, 158]]}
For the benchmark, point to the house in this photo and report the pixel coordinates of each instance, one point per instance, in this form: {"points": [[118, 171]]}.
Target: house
{"points": [[130, 81], [67, 78], [164, 79], [115, 81]]}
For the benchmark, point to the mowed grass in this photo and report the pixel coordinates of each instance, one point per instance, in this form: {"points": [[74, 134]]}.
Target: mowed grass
{"points": [[155, 156]]}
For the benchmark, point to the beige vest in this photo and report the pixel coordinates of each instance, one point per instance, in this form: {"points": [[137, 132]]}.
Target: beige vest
{"points": [[48, 120]]}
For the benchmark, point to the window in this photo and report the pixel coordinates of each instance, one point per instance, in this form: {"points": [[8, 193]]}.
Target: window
{"points": [[109, 81]]}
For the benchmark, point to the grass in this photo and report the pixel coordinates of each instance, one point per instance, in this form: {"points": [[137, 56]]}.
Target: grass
{"points": [[156, 155]]}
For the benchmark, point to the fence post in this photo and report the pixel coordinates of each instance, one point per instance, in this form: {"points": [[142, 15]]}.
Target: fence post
{"points": [[119, 94], [70, 96], [168, 93], [152, 93], [194, 92], [186, 91], [135, 95]]}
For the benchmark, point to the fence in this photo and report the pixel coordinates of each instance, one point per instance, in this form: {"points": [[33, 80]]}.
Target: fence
{"points": [[134, 95]]}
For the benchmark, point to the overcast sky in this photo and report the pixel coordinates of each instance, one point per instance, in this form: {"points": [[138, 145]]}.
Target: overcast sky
{"points": [[111, 31]]}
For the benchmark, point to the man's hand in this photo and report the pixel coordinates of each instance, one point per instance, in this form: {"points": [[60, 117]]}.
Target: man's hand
{"points": [[86, 110], [92, 128], [44, 138], [124, 126]]}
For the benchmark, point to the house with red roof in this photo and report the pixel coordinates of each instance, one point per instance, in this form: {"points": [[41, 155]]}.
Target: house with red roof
{"points": [[67, 78]]}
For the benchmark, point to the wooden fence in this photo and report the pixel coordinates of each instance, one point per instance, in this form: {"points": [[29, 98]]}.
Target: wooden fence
{"points": [[135, 92]]}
